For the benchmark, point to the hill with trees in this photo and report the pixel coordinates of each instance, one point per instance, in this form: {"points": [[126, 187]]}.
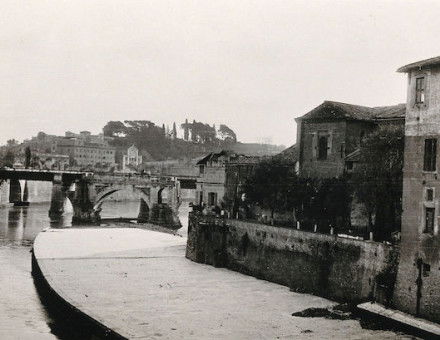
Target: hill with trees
{"points": [[163, 143]]}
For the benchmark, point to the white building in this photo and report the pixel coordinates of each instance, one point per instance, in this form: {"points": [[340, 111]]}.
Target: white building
{"points": [[132, 159]]}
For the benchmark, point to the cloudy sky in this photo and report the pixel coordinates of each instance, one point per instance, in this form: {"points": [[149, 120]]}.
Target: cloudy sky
{"points": [[253, 65]]}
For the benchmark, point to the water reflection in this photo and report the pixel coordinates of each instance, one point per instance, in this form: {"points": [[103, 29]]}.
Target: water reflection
{"points": [[21, 313]]}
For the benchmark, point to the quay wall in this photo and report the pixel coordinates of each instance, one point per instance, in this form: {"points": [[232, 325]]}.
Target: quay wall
{"points": [[341, 269]]}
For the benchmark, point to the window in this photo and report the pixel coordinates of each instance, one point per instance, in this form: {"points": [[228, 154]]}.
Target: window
{"points": [[429, 194], [202, 169], [212, 198], [322, 147], [420, 90], [429, 220], [430, 156]]}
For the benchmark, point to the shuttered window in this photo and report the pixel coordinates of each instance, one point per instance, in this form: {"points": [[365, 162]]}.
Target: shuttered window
{"points": [[429, 220], [430, 156], [420, 90]]}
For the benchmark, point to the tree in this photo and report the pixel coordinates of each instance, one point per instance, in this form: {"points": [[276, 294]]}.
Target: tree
{"points": [[174, 133], [185, 128], [227, 134], [272, 186], [41, 136], [9, 159], [377, 179], [11, 142], [114, 129], [27, 157], [331, 203]]}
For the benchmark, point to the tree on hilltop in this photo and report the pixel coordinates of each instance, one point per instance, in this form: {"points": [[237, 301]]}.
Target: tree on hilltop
{"points": [[115, 129], [227, 134]]}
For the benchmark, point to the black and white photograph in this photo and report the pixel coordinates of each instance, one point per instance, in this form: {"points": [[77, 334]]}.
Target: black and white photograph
{"points": [[219, 169]]}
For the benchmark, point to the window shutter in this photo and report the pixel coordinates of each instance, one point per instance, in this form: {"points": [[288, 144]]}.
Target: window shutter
{"points": [[330, 142], [314, 143]]}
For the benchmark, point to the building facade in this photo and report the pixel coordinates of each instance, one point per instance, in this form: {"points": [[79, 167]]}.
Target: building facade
{"points": [[417, 289], [333, 130], [210, 185], [220, 178], [85, 149], [132, 159]]}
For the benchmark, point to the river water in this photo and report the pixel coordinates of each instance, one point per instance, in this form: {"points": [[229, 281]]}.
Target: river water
{"points": [[22, 315]]}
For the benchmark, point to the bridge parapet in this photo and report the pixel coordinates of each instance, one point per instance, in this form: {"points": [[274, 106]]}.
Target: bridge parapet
{"points": [[87, 190], [133, 180]]}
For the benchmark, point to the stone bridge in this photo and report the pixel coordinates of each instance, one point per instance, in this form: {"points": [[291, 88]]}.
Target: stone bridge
{"points": [[87, 191]]}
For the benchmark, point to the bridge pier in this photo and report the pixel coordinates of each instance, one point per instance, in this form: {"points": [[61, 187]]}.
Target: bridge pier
{"points": [[83, 204], [14, 191], [144, 212], [58, 196], [57, 200]]}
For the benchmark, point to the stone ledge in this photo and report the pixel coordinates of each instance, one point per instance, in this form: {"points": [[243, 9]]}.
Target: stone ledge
{"points": [[401, 317]]}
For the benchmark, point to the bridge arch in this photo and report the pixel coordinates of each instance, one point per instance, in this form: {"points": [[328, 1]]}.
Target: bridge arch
{"points": [[108, 191]]}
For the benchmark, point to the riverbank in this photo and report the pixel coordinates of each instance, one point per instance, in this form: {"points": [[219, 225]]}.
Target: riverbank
{"points": [[137, 283]]}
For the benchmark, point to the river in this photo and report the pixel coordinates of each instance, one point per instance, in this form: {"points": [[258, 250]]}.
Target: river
{"points": [[22, 315]]}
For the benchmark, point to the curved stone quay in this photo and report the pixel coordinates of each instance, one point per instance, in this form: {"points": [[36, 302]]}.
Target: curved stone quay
{"points": [[137, 284]]}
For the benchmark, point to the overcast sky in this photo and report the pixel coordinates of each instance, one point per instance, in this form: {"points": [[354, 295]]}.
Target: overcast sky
{"points": [[253, 65]]}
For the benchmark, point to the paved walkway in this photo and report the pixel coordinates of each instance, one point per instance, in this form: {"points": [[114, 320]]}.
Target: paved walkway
{"points": [[139, 284]]}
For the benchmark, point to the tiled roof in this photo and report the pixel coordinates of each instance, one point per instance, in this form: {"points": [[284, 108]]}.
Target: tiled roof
{"points": [[230, 157], [289, 155], [213, 156], [420, 64], [336, 110], [390, 112]]}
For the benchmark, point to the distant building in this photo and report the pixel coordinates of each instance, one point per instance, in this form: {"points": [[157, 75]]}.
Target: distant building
{"points": [[418, 278], [333, 131], [53, 161], [42, 143], [221, 176], [85, 149], [132, 159]]}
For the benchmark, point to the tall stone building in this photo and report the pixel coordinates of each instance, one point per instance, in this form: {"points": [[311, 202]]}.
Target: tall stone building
{"points": [[417, 288], [334, 130]]}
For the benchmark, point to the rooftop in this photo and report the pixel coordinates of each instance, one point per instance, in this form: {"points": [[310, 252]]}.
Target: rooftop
{"points": [[289, 155], [337, 110], [420, 64], [228, 156]]}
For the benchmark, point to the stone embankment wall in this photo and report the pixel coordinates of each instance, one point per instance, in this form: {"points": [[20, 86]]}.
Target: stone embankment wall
{"points": [[341, 269]]}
